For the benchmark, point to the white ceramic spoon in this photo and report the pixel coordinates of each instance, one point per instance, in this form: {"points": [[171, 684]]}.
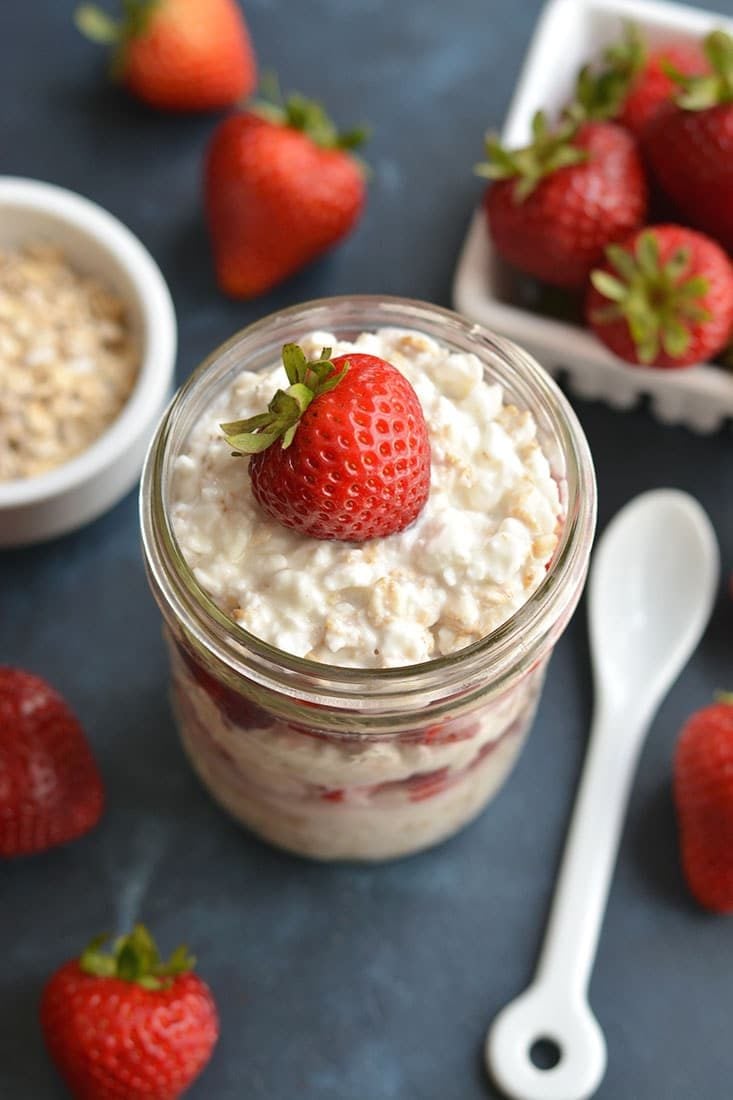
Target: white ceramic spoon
{"points": [[652, 584]]}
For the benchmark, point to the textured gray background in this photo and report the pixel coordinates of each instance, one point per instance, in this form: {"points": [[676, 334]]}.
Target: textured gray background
{"points": [[338, 983]]}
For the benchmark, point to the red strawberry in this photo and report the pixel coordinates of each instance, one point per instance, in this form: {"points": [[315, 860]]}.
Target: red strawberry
{"points": [[703, 792], [281, 188], [126, 1026], [663, 298], [653, 86], [631, 83], [343, 453], [556, 204], [689, 144], [178, 55], [50, 789]]}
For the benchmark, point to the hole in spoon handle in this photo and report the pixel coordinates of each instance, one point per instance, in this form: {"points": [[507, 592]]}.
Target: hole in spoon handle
{"points": [[539, 1048]]}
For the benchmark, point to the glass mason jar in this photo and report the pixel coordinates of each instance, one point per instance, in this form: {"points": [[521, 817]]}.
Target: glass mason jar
{"points": [[344, 763]]}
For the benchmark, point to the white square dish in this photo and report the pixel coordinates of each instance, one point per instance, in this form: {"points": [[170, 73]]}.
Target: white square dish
{"points": [[570, 33]]}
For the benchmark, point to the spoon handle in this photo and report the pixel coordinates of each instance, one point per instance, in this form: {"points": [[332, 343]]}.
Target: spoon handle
{"points": [[590, 852]]}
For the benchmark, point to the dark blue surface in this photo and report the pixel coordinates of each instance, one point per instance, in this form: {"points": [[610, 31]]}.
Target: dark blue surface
{"points": [[338, 983]]}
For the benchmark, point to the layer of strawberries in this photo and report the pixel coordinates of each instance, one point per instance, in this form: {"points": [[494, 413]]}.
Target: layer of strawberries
{"points": [[238, 710], [626, 198]]}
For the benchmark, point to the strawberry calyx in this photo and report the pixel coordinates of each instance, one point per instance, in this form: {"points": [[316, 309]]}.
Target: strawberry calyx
{"points": [[548, 151], [135, 958], [600, 91], [99, 27], [697, 93], [306, 115], [308, 380], [657, 303], [724, 697]]}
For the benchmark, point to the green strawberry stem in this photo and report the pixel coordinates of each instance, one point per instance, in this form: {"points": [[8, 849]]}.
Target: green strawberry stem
{"points": [[135, 958], [548, 151], [600, 92], [654, 298], [308, 380], [725, 697], [697, 93], [306, 115], [101, 28]]}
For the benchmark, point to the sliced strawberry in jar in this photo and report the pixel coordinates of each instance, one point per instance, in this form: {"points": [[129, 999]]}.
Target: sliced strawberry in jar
{"points": [[337, 795], [238, 708], [426, 785]]}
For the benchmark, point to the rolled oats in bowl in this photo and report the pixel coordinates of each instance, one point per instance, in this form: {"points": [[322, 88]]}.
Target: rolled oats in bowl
{"points": [[68, 360]]}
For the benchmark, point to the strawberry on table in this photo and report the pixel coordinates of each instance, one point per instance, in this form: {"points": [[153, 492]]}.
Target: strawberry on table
{"points": [[556, 204], [127, 1026], [343, 453], [281, 187], [664, 298], [689, 144], [177, 55], [703, 792], [50, 789]]}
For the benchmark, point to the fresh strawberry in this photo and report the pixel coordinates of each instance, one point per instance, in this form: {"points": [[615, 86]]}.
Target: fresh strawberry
{"points": [[654, 86], [177, 55], [126, 1026], [557, 203], [343, 453], [703, 792], [664, 298], [281, 187], [50, 789], [689, 144], [631, 82]]}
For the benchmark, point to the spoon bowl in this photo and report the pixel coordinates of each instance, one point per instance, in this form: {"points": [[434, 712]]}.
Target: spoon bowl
{"points": [[650, 593]]}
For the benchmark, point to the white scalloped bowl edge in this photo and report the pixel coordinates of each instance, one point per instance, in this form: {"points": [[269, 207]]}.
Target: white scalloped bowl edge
{"points": [[65, 498], [699, 397]]}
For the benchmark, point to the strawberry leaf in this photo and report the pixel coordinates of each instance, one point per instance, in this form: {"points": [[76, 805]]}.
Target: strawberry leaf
{"points": [[609, 287], [600, 91], [549, 151], [675, 338], [135, 958], [657, 302], [621, 260], [699, 92], [308, 379], [307, 115], [97, 26]]}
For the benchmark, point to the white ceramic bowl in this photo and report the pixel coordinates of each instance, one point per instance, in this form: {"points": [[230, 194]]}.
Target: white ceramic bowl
{"points": [[568, 34], [38, 508]]}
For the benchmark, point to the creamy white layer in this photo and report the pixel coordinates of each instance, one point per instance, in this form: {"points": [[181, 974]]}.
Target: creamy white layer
{"points": [[472, 558]]}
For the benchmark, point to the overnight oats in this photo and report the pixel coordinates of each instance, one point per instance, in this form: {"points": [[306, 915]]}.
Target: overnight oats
{"points": [[361, 606]]}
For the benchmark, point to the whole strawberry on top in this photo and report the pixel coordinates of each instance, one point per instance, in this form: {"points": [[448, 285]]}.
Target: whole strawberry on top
{"points": [[557, 203], [689, 144], [663, 298], [177, 55], [703, 792], [281, 187], [125, 1025], [632, 81], [50, 789], [343, 453]]}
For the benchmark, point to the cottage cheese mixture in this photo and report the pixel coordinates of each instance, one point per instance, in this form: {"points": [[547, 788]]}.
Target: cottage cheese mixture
{"points": [[474, 555]]}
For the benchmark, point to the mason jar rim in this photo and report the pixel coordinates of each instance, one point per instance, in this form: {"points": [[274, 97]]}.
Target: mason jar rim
{"points": [[497, 657]]}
